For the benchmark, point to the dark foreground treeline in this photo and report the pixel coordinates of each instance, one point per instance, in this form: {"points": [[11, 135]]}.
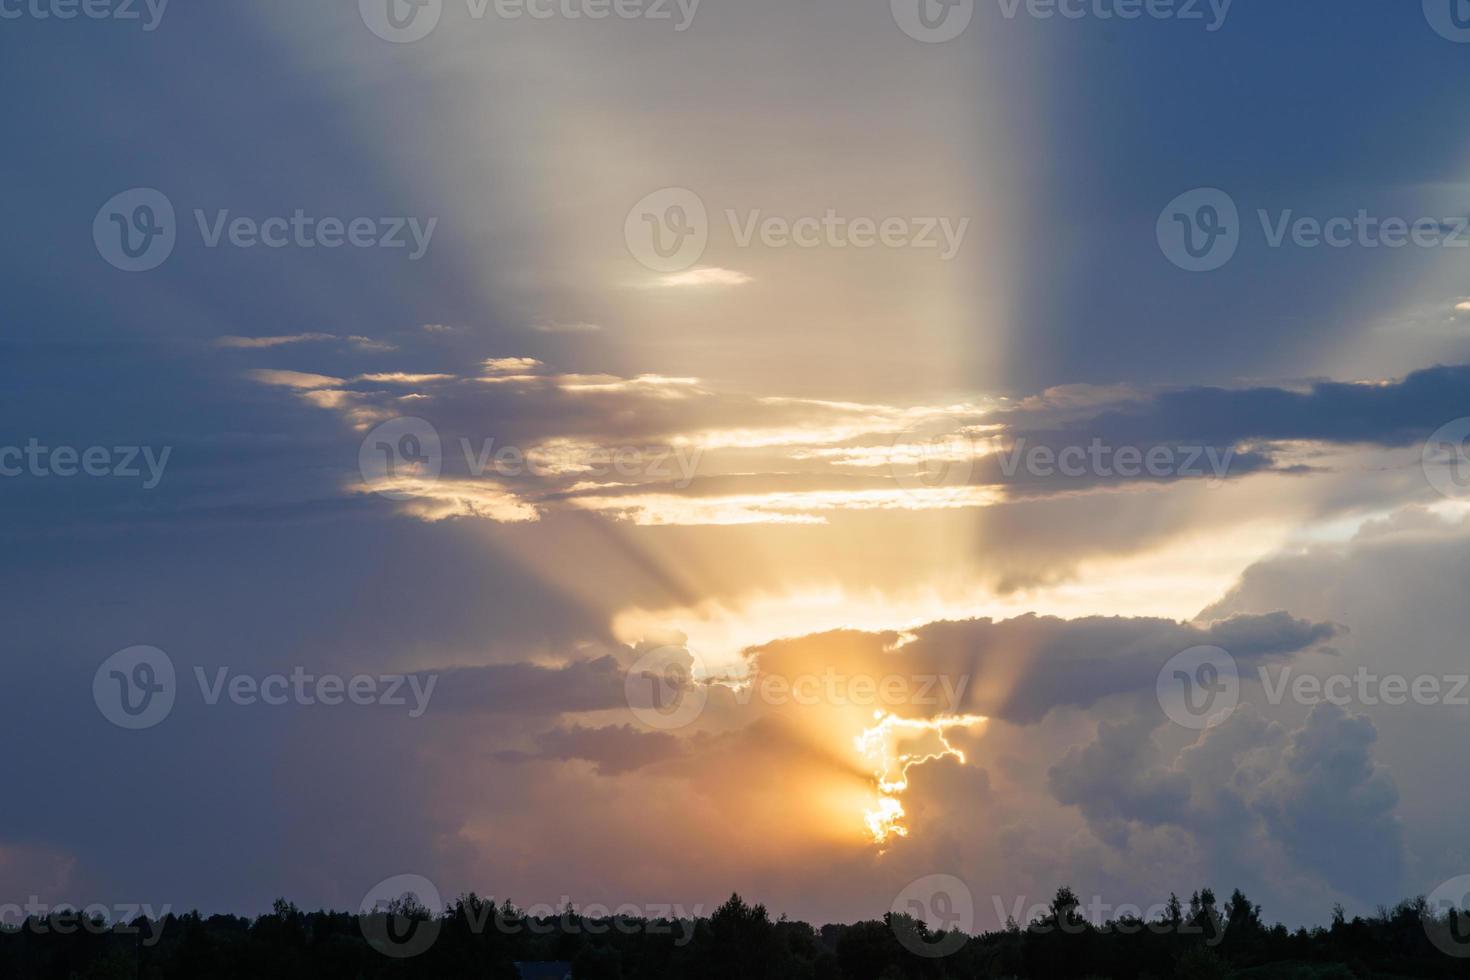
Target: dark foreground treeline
{"points": [[472, 938]]}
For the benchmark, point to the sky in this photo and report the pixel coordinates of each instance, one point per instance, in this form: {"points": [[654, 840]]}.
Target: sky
{"points": [[812, 450]]}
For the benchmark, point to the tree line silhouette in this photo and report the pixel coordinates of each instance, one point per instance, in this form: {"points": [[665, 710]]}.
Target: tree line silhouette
{"points": [[474, 937]]}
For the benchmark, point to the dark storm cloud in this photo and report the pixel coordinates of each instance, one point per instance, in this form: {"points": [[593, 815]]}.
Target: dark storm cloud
{"points": [[1316, 792], [612, 750], [1395, 413]]}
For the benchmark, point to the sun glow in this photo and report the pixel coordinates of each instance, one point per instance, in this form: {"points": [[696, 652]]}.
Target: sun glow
{"points": [[879, 746]]}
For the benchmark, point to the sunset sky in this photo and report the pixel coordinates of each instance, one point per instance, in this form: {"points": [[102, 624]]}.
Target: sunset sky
{"points": [[806, 453]]}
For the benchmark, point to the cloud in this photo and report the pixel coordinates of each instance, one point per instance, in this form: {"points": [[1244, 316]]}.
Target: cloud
{"points": [[404, 378], [1379, 413], [265, 343], [1329, 798], [371, 345], [1397, 587], [367, 344], [295, 379], [1120, 778], [612, 750], [511, 365], [773, 507], [1247, 787], [1019, 670], [702, 277], [439, 500], [770, 460]]}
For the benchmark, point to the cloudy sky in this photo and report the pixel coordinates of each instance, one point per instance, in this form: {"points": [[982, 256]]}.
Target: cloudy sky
{"points": [[785, 448]]}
